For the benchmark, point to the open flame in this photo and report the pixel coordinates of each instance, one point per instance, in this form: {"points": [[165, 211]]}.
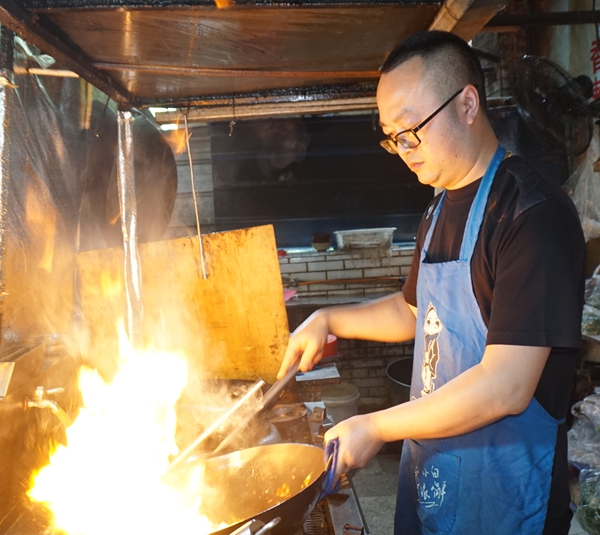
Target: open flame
{"points": [[109, 479], [177, 139], [42, 223], [111, 283]]}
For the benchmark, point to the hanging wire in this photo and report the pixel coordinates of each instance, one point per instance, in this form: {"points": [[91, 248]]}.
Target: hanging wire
{"points": [[189, 153], [96, 128], [232, 123]]}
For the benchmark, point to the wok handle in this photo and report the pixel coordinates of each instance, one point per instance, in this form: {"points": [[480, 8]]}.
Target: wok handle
{"points": [[330, 485], [257, 527], [268, 526]]}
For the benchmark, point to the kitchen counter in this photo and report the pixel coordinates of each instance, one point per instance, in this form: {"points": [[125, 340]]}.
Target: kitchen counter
{"points": [[326, 374], [299, 308], [309, 384], [331, 300]]}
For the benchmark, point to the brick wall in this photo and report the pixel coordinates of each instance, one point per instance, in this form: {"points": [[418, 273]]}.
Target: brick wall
{"points": [[314, 274], [361, 363], [364, 365]]}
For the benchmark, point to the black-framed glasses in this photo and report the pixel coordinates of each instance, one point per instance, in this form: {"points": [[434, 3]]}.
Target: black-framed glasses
{"points": [[408, 138]]}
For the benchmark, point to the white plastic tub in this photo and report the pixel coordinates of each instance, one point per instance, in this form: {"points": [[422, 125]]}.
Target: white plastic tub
{"points": [[341, 401], [362, 238]]}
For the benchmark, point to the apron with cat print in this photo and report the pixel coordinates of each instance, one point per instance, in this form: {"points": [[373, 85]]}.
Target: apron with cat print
{"points": [[492, 481]]}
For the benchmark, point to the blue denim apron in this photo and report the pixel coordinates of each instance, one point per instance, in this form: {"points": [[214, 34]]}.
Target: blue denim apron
{"points": [[495, 480]]}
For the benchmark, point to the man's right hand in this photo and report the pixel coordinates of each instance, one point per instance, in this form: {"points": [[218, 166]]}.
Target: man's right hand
{"points": [[387, 319], [307, 343]]}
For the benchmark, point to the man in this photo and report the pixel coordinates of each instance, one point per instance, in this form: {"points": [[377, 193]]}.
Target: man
{"points": [[493, 301]]}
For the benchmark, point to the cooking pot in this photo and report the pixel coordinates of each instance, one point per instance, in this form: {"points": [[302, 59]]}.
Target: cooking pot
{"points": [[280, 480]]}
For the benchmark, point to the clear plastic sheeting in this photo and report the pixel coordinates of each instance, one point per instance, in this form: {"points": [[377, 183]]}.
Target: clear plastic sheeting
{"points": [[590, 321], [59, 193], [43, 181], [588, 509], [584, 188], [128, 204], [4, 174], [584, 435]]}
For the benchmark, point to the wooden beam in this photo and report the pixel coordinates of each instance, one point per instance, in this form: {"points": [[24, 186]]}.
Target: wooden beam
{"points": [[49, 41], [451, 12]]}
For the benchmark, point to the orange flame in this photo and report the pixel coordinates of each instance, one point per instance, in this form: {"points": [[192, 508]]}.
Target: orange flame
{"points": [[109, 479], [177, 139], [223, 3], [112, 283], [42, 223]]}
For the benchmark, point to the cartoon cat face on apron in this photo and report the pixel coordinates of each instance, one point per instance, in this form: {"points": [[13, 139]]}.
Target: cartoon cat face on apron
{"points": [[495, 480]]}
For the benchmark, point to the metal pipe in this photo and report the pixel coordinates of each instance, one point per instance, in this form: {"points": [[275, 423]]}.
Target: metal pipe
{"points": [[270, 109], [293, 283], [128, 206], [268, 400], [237, 73], [40, 401], [294, 94], [36, 71], [265, 108], [54, 408], [189, 153]]}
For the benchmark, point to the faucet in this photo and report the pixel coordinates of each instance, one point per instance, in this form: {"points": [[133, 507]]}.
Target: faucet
{"points": [[42, 402]]}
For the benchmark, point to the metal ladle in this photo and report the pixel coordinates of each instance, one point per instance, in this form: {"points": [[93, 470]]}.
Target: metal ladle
{"points": [[217, 424], [267, 401]]}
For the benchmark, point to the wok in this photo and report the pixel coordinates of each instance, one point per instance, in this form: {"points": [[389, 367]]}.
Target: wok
{"points": [[279, 480]]}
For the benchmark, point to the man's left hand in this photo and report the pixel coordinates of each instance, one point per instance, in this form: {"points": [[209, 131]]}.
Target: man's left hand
{"points": [[358, 442]]}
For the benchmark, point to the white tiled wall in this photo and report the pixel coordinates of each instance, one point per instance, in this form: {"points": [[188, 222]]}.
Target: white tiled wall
{"points": [[327, 271]]}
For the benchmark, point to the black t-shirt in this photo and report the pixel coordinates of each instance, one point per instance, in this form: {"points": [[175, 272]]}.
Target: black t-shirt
{"points": [[528, 279]]}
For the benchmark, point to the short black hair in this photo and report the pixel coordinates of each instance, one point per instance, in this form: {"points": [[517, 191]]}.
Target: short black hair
{"points": [[445, 53]]}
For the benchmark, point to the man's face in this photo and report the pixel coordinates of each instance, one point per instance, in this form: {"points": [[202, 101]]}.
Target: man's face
{"points": [[405, 98]]}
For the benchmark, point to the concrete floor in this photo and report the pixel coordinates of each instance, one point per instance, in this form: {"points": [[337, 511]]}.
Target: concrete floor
{"points": [[376, 485]]}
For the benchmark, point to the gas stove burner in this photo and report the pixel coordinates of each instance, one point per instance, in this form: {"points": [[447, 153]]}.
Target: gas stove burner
{"points": [[316, 523], [287, 413], [292, 422]]}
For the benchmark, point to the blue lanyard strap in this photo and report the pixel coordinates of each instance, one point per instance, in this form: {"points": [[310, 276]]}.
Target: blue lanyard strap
{"points": [[476, 212], [478, 207]]}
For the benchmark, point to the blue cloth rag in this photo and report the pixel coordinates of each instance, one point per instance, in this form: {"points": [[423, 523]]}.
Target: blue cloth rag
{"points": [[330, 486]]}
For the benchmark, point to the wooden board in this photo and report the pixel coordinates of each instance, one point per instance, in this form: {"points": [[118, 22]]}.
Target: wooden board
{"points": [[232, 325]]}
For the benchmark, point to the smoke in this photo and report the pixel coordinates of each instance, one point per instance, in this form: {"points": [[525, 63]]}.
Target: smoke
{"points": [[62, 281]]}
